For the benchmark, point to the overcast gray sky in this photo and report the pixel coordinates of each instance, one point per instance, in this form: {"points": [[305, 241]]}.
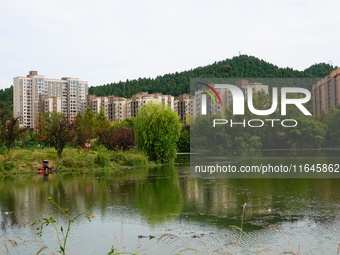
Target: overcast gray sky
{"points": [[104, 41]]}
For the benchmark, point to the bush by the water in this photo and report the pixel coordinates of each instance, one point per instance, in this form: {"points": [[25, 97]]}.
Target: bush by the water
{"points": [[120, 138], [72, 159], [130, 158]]}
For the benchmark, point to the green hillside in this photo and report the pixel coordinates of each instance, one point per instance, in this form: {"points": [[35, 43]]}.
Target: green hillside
{"points": [[6, 100], [242, 66], [238, 67]]}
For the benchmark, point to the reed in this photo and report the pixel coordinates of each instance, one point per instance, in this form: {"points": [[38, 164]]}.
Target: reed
{"points": [[62, 232]]}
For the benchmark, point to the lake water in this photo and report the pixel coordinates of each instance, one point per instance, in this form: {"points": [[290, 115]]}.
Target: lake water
{"points": [[166, 210]]}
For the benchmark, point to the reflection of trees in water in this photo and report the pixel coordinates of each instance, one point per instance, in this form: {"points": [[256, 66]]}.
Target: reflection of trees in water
{"points": [[280, 198], [6, 220], [160, 194], [8, 216], [26, 195]]}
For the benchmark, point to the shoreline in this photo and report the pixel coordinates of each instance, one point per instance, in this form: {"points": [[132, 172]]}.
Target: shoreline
{"points": [[21, 161]]}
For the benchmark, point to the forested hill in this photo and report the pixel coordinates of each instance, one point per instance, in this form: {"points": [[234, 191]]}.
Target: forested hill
{"points": [[6, 100], [242, 66], [178, 83]]}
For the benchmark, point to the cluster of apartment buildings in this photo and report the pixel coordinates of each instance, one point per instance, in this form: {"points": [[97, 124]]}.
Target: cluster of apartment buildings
{"points": [[36, 93], [326, 93], [120, 108]]}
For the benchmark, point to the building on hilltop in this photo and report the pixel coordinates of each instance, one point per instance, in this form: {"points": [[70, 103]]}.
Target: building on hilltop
{"points": [[326, 93], [27, 91]]}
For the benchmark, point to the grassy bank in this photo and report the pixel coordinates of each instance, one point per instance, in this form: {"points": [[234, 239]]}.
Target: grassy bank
{"points": [[21, 161]]}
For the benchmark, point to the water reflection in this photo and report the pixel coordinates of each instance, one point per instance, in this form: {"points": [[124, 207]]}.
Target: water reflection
{"points": [[45, 174], [168, 195], [159, 197], [161, 194]]}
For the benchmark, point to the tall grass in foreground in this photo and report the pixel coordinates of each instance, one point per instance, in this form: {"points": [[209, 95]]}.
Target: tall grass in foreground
{"points": [[6, 243], [171, 243], [62, 233]]}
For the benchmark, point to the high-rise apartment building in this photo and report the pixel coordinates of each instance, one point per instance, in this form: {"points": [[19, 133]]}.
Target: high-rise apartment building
{"points": [[120, 108], [117, 108], [182, 107], [71, 91], [143, 98], [49, 104], [326, 93], [100, 103]]}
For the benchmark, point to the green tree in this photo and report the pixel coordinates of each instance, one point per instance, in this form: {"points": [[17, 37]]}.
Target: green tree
{"points": [[205, 137], [84, 127], [6, 101], [25, 136], [157, 130], [101, 122], [183, 143], [60, 131], [9, 130], [333, 131], [129, 122], [40, 129], [236, 67], [309, 133], [242, 136]]}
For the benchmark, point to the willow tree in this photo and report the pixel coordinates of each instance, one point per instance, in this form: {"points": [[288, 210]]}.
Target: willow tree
{"points": [[157, 130]]}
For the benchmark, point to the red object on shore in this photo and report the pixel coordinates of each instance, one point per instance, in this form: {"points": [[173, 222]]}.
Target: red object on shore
{"points": [[87, 147]]}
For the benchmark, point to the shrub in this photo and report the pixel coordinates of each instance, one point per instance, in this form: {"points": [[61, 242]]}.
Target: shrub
{"points": [[136, 160], [120, 138], [75, 160], [129, 159], [102, 159]]}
